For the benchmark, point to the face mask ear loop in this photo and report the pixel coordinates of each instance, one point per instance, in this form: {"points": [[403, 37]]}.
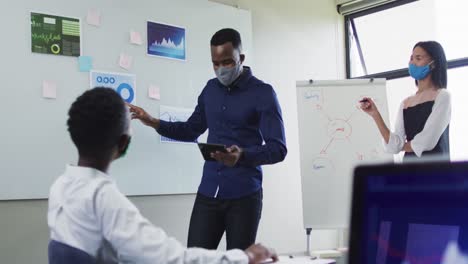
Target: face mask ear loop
{"points": [[431, 65]]}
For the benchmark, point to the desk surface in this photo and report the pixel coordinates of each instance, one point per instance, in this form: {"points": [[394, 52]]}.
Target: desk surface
{"points": [[303, 260]]}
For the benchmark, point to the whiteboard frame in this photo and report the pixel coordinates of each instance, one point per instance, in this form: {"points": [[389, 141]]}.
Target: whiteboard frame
{"points": [[38, 144]]}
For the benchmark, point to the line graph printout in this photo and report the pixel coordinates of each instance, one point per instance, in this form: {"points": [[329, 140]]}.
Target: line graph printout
{"points": [[166, 41], [177, 114], [334, 136]]}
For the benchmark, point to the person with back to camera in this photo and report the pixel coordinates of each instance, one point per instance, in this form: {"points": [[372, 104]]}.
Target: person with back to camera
{"points": [[422, 125], [87, 211]]}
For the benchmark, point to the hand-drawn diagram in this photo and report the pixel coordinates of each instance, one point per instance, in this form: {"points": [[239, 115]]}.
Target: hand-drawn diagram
{"points": [[322, 166], [335, 136], [339, 130]]}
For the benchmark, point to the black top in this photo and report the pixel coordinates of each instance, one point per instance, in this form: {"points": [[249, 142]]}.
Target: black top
{"points": [[415, 118]]}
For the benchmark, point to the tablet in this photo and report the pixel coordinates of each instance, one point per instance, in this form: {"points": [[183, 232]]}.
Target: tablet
{"points": [[206, 150]]}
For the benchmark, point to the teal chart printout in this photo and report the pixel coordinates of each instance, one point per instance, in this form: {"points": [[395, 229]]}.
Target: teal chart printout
{"points": [[123, 83]]}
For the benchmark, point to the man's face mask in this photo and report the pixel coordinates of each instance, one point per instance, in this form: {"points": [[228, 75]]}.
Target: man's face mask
{"points": [[129, 134], [227, 75], [123, 152], [419, 72]]}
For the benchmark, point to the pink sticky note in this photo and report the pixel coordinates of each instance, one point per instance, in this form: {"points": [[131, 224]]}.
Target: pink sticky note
{"points": [[49, 89], [125, 61], [154, 92], [135, 38], [94, 17]]}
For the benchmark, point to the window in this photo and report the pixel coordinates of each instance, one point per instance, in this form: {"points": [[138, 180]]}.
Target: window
{"points": [[458, 87], [380, 40]]}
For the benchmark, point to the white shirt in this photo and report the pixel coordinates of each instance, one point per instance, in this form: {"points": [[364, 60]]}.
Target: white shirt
{"points": [[435, 125], [87, 211]]}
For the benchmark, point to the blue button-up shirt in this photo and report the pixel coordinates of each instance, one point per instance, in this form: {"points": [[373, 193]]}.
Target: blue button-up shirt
{"points": [[246, 114]]}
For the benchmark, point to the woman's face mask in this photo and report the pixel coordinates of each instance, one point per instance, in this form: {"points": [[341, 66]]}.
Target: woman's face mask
{"points": [[419, 72]]}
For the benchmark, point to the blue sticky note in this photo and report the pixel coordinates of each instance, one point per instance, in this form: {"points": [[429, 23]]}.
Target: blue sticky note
{"points": [[85, 63]]}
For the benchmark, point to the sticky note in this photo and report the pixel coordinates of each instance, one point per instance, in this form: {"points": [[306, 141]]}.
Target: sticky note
{"points": [[49, 89], [154, 92], [94, 17], [85, 63], [125, 61], [135, 38]]}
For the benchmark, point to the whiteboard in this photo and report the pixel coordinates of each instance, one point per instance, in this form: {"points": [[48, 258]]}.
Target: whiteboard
{"points": [[35, 143], [335, 136]]}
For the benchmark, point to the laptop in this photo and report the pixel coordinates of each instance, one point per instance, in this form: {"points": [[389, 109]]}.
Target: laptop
{"points": [[413, 213]]}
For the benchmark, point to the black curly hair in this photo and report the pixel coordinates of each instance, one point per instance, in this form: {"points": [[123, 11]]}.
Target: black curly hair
{"points": [[97, 120], [226, 35]]}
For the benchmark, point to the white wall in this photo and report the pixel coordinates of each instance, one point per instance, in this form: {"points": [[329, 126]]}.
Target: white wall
{"points": [[293, 40]]}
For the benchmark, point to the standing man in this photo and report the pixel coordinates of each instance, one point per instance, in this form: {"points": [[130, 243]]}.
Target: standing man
{"points": [[243, 113]]}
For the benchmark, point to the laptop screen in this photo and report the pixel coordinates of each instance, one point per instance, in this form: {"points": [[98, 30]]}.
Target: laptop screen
{"points": [[408, 213]]}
